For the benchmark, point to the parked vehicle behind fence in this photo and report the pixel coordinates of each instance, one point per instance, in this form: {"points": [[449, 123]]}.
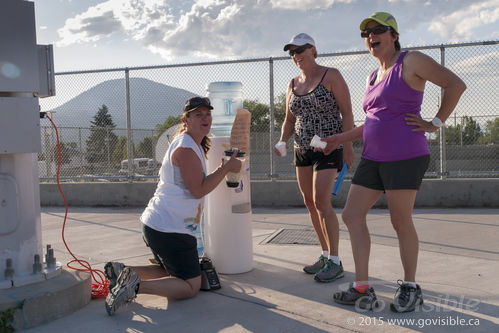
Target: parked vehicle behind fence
{"points": [[141, 166]]}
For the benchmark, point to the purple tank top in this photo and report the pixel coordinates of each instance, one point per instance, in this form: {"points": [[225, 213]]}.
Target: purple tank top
{"points": [[386, 135]]}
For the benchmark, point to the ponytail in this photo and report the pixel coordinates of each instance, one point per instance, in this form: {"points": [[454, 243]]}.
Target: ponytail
{"points": [[396, 43], [206, 144]]}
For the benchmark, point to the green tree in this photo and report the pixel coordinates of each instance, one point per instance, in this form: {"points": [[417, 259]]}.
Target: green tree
{"points": [[491, 134], [120, 151], [466, 133], [279, 110], [65, 153], [144, 148], [169, 122], [452, 135], [260, 113], [102, 140], [471, 131]]}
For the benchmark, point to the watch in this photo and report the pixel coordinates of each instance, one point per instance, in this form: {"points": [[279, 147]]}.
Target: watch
{"points": [[437, 122]]}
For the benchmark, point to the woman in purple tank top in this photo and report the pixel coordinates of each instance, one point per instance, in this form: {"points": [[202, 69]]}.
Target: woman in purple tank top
{"points": [[395, 154]]}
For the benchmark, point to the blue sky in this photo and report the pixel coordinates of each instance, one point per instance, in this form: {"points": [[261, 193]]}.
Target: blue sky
{"points": [[91, 34]]}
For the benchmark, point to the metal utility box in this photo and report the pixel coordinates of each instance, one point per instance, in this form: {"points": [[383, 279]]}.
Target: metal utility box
{"points": [[18, 54], [19, 125]]}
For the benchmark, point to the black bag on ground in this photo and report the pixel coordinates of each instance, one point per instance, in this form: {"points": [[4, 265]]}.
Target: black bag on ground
{"points": [[209, 276]]}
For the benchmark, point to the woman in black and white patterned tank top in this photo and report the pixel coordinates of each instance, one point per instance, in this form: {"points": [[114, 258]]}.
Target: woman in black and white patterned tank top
{"points": [[317, 103], [316, 113]]}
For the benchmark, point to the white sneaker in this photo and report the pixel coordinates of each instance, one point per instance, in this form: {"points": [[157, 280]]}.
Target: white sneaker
{"points": [[125, 290]]}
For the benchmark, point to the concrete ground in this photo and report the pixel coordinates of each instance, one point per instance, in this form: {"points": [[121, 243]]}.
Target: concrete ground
{"points": [[458, 270]]}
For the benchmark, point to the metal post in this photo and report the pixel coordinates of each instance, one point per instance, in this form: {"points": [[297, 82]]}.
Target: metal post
{"points": [[154, 139], [461, 131], [129, 133], [271, 120], [108, 157], [443, 155], [80, 152]]}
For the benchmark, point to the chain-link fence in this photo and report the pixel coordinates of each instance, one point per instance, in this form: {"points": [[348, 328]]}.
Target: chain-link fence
{"points": [[106, 118]]}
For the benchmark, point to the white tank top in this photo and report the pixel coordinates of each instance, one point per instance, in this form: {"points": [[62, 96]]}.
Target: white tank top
{"points": [[173, 208]]}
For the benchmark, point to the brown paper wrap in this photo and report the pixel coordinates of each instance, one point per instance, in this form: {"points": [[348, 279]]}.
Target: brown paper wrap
{"points": [[240, 134]]}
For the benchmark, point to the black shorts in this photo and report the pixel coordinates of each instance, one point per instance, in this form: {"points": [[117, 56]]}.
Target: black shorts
{"points": [[397, 175], [176, 253], [318, 160]]}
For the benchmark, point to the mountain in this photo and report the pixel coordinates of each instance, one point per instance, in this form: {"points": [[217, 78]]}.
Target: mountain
{"points": [[150, 104]]}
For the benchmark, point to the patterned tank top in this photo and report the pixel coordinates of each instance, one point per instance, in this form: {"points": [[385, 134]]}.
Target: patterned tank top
{"points": [[316, 113]]}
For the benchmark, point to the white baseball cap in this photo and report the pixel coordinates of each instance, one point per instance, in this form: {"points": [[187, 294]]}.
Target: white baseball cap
{"points": [[299, 40]]}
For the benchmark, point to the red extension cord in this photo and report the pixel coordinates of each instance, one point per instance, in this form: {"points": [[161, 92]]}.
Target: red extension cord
{"points": [[100, 288]]}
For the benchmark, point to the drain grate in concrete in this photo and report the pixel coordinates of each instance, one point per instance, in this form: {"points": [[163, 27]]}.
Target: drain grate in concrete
{"points": [[293, 236]]}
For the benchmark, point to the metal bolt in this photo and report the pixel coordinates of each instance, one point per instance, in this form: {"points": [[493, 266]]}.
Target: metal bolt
{"points": [[37, 266], [49, 258], [9, 271]]}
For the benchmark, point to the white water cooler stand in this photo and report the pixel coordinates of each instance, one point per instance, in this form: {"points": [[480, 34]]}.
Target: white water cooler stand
{"points": [[227, 217]]}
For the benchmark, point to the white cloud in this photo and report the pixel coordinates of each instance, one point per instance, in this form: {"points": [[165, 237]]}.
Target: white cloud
{"points": [[90, 26], [305, 4], [479, 66], [460, 24], [210, 29], [131, 16]]}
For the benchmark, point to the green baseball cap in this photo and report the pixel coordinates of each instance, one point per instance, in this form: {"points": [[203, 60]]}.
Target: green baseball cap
{"points": [[382, 18]]}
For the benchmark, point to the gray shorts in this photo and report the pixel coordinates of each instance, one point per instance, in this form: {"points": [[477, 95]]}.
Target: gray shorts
{"points": [[396, 175]]}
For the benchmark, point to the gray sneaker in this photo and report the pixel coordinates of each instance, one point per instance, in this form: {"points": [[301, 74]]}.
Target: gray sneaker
{"points": [[366, 300], [125, 290], [329, 272], [112, 269], [316, 266], [407, 298]]}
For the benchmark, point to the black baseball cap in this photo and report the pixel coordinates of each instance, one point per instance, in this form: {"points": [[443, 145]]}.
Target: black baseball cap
{"points": [[195, 102]]}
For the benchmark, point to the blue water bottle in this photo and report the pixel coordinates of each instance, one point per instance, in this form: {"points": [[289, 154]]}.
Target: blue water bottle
{"points": [[337, 185]]}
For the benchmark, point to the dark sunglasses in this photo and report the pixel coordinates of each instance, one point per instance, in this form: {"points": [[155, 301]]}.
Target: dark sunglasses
{"points": [[377, 30], [194, 102], [299, 50]]}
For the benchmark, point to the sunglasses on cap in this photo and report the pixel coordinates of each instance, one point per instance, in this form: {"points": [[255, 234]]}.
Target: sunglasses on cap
{"points": [[377, 30], [195, 102], [299, 50]]}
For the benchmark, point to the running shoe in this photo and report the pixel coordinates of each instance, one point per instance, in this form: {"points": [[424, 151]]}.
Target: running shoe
{"points": [[124, 292], [112, 269], [330, 272], [315, 267], [406, 298], [365, 300]]}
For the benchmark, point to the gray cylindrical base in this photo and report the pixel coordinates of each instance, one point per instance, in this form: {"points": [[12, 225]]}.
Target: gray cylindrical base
{"points": [[48, 300]]}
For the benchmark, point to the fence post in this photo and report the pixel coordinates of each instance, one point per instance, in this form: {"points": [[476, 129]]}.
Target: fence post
{"points": [[80, 152], [129, 133], [271, 120], [443, 155], [154, 138]]}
